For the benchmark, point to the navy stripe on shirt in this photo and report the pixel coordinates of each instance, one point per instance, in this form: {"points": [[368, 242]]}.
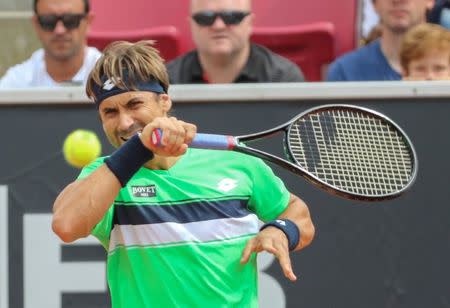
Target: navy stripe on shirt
{"points": [[180, 213]]}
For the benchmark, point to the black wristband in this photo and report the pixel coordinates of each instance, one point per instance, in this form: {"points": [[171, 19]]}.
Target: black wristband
{"points": [[127, 159], [288, 227]]}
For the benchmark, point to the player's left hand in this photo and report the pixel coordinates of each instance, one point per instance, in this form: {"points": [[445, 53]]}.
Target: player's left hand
{"points": [[274, 241]]}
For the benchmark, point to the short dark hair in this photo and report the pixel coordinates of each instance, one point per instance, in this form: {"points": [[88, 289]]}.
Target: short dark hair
{"points": [[87, 6], [140, 60]]}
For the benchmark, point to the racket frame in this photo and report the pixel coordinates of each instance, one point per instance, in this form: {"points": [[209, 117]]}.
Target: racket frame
{"points": [[292, 165]]}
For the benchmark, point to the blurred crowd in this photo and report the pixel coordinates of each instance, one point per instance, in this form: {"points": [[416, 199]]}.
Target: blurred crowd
{"points": [[407, 39]]}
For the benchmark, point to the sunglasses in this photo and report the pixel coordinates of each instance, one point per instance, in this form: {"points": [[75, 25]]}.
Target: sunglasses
{"points": [[207, 18], [70, 21]]}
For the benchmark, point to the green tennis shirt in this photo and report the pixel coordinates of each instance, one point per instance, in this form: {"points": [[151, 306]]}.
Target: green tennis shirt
{"points": [[175, 237]]}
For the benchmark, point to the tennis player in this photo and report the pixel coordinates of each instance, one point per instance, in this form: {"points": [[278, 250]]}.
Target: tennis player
{"points": [[180, 225]]}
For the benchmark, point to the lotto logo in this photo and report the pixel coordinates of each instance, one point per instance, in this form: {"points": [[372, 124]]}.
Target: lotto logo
{"points": [[108, 85]]}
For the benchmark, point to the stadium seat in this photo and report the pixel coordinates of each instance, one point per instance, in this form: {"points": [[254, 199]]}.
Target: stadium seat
{"points": [[344, 15], [167, 39], [310, 46]]}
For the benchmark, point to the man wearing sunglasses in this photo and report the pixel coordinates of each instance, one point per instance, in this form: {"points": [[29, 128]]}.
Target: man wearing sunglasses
{"points": [[61, 26], [221, 31]]}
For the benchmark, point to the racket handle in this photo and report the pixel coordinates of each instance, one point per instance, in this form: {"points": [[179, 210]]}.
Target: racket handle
{"points": [[202, 141], [213, 142]]}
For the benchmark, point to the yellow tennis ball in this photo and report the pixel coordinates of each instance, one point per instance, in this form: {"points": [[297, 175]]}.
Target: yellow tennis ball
{"points": [[81, 147]]}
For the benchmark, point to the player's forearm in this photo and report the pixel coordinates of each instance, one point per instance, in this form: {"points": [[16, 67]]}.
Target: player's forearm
{"points": [[298, 212], [82, 204]]}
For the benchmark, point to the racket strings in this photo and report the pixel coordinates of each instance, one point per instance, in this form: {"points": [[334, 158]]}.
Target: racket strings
{"points": [[352, 151]]}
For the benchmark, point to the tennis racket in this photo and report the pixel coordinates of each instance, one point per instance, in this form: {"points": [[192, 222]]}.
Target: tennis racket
{"points": [[347, 150]]}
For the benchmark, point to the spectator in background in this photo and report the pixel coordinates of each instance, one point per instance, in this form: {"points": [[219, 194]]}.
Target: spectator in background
{"points": [[440, 14], [61, 26], [425, 53], [221, 31], [380, 60]]}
